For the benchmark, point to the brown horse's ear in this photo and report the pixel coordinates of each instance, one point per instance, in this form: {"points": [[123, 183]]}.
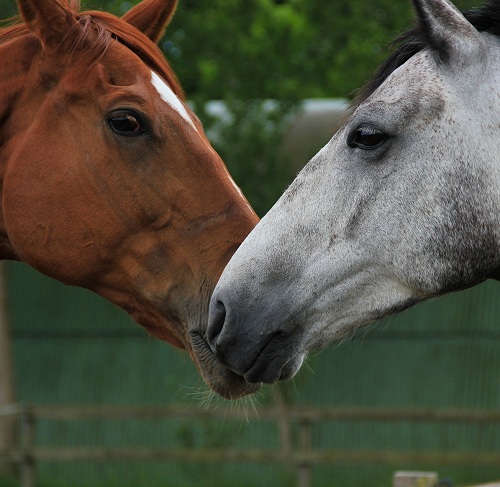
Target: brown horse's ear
{"points": [[49, 20], [151, 17]]}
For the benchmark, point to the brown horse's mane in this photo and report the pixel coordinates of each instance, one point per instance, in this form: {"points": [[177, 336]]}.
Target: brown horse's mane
{"points": [[103, 28]]}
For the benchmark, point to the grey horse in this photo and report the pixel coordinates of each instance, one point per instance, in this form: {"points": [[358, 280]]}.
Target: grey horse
{"points": [[401, 205]]}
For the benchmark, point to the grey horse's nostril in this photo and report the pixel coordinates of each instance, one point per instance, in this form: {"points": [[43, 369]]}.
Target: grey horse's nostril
{"points": [[216, 320]]}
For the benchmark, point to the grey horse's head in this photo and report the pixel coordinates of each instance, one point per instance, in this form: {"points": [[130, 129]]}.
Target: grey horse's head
{"points": [[401, 205]]}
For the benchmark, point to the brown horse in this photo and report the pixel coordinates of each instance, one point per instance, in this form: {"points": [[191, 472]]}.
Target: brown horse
{"points": [[108, 181]]}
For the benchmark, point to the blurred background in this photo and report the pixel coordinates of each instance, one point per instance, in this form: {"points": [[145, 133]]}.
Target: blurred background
{"points": [[270, 80]]}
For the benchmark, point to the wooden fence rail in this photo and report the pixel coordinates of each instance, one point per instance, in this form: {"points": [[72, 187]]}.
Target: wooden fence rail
{"points": [[302, 456]]}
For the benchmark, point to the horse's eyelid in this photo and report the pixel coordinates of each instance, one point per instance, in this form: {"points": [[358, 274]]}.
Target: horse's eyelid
{"points": [[142, 119]]}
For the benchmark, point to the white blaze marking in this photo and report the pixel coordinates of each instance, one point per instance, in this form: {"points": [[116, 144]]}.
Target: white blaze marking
{"points": [[168, 96]]}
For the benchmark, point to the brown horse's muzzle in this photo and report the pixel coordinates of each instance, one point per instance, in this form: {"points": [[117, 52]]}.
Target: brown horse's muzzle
{"points": [[220, 379]]}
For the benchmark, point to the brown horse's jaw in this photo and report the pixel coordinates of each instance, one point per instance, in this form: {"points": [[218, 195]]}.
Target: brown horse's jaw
{"points": [[220, 379]]}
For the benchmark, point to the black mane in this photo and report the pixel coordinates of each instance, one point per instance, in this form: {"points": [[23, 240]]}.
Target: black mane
{"points": [[484, 19]]}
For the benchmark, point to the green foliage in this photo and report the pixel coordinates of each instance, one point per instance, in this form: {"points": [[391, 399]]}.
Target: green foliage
{"points": [[287, 50], [249, 143]]}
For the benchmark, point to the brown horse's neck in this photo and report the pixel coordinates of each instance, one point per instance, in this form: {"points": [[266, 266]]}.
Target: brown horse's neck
{"points": [[6, 250], [15, 66]]}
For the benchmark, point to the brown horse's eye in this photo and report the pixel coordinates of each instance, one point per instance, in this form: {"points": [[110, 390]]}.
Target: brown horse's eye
{"points": [[126, 123], [366, 137]]}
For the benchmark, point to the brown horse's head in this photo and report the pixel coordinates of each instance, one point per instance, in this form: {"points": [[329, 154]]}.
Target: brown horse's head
{"points": [[108, 181]]}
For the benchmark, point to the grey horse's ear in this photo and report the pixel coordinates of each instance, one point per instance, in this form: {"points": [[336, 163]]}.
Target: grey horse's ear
{"points": [[151, 17], [452, 37]]}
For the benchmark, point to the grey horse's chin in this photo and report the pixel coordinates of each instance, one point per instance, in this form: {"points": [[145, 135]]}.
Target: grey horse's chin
{"points": [[217, 376]]}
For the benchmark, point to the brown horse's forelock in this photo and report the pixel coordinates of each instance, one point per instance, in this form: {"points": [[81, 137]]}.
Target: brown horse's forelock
{"points": [[94, 34]]}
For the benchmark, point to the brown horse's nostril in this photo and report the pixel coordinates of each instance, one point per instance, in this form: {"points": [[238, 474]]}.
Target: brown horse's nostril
{"points": [[216, 320]]}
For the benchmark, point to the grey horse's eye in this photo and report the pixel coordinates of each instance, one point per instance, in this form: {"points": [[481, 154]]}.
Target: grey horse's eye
{"points": [[366, 137]]}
